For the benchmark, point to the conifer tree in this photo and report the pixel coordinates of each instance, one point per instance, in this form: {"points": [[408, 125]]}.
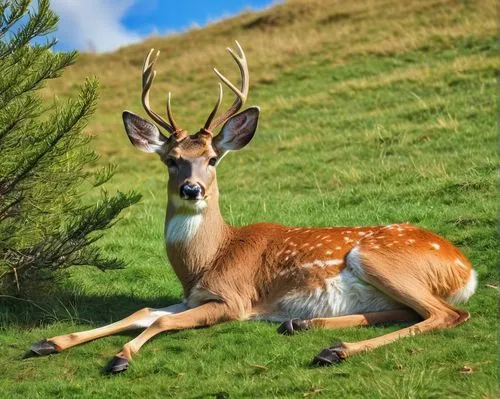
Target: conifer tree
{"points": [[46, 221]]}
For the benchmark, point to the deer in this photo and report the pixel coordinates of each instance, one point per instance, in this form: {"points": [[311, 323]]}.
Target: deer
{"points": [[301, 277]]}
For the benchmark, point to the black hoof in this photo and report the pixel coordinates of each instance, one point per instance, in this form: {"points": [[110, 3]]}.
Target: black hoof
{"points": [[117, 365], [327, 357], [42, 348], [289, 327]]}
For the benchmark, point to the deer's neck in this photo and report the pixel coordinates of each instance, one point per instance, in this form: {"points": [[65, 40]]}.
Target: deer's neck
{"points": [[194, 233]]}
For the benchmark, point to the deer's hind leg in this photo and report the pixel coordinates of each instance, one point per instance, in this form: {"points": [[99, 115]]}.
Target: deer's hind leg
{"points": [[393, 276], [141, 319]]}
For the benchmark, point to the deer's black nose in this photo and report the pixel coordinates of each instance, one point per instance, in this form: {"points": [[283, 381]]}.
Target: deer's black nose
{"points": [[191, 191]]}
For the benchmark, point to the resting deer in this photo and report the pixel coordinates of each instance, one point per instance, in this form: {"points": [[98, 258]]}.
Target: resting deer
{"points": [[304, 277]]}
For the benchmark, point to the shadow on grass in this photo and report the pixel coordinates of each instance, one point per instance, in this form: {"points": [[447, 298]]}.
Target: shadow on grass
{"points": [[74, 308]]}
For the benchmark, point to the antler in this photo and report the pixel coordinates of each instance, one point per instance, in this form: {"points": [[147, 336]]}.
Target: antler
{"points": [[148, 75], [241, 94]]}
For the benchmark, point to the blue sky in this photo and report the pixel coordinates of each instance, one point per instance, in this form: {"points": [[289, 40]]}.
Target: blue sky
{"points": [[105, 25]]}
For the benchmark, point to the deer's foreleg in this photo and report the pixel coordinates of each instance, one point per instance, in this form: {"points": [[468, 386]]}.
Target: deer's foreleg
{"points": [[141, 319], [202, 316]]}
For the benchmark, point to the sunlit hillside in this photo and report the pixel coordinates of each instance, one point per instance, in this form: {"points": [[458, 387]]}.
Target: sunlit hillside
{"points": [[288, 45], [373, 112]]}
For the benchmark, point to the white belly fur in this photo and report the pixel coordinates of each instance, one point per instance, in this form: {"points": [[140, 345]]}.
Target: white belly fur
{"points": [[345, 294]]}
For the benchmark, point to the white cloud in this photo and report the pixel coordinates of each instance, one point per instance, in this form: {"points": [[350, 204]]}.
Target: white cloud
{"points": [[93, 24]]}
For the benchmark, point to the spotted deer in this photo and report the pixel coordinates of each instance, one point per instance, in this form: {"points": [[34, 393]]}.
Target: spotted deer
{"points": [[303, 277]]}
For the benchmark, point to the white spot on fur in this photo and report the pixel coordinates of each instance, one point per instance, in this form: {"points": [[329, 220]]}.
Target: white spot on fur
{"points": [[435, 246], [319, 245], [311, 264], [458, 262], [323, 263], [410, 242], [338, 248], [334, 262], [156, 313], [328, 252], [182, 228], [463, 294]]}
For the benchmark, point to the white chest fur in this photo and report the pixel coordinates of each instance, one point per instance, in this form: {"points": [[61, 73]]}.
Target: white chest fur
{"points": [[182, 228]]}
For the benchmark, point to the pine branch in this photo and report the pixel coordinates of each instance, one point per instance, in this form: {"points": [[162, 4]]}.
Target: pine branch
{"points": [[17, 12], [49, 68], [24, 110], [40, 23], [45, 224], [67, 122]]}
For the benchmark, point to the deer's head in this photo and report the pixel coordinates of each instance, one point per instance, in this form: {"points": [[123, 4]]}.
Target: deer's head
{"points": [[191, 160]]}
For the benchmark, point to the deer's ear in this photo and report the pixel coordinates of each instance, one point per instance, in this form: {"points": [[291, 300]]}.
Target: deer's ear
{"points": [[237, 131], [143, 134]]}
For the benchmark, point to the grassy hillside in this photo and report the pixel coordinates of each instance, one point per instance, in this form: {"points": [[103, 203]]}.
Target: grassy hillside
{"points": [[373, 112]]}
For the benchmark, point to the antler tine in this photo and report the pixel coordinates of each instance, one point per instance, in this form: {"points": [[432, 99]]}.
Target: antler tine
{"points": [[169, 112], [214, 111], [148, 76], [241, 94]]}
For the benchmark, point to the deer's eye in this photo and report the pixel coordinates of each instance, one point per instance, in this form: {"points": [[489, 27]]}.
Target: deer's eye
{"points": [[171, 163], [212, 161]]}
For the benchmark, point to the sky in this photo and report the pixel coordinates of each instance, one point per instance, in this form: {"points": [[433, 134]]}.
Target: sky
{"points": [[106, 25]]}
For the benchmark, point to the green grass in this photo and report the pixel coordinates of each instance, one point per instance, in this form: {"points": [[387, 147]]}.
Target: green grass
{"points": [[349, 136]]}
